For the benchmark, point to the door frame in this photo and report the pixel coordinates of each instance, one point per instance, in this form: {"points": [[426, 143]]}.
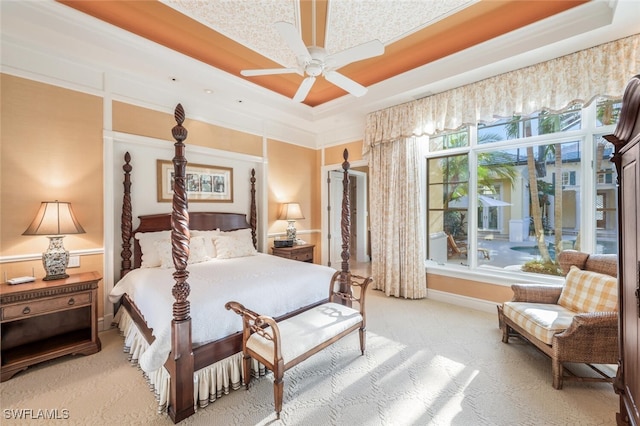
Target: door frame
{"points": [[324, 196]]}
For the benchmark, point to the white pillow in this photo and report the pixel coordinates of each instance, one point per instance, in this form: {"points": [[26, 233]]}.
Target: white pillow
{"points": [[197, 252], [230, 246], [244, 233], [147, 240], [208, 240]]}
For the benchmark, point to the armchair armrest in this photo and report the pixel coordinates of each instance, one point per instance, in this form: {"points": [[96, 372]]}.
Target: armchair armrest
{"points": [[591, 337], [594, 319], [536, 293]]}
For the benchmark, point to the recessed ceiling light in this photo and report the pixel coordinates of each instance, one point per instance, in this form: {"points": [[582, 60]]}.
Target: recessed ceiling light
{"points": [[208, 91]]}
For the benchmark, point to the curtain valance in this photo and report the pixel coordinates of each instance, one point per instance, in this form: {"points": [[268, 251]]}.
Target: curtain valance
{"points": [[553, 85]]}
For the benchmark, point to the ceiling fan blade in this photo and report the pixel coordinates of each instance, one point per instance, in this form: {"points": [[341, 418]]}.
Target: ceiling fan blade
{"points": [[360, 52], [345, 83], [290, 34], [269, 71], [304, 89]]}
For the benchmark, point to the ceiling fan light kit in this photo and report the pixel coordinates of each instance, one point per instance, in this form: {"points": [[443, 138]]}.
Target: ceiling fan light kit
{"points": [[313, 61]]}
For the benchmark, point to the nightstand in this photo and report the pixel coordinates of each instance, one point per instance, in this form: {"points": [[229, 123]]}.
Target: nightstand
{"points": [[43, 320], [303, 252]]}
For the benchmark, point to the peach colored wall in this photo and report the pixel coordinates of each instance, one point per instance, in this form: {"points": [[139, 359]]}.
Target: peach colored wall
{"points": [[333, 154], [294, 177], [145, 122], [469, 288], [50, 149]]}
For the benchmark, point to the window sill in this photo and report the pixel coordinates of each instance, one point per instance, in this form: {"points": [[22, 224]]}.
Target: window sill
{"points": [[489, 275]]}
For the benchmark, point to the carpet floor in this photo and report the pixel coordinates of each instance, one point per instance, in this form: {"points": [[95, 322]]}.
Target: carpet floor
{"points": [[426, 363]]}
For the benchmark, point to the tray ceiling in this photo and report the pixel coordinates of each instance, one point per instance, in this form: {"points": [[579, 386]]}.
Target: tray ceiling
{"points": [[233, 35]]}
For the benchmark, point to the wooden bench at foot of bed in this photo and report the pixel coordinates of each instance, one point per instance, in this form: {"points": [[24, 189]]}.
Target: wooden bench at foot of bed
{"points": [[282, 345]]}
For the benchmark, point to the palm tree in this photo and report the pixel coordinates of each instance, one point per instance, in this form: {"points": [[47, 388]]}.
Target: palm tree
{"points": [[536, 212], [513, 130], [551, 124]]}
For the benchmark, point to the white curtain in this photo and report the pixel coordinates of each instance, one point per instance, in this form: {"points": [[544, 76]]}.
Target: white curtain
{"points": [[397, 238]]}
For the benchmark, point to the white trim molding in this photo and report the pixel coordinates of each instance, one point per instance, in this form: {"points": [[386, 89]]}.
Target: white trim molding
{"points": [[464, 301], [38, 256]]}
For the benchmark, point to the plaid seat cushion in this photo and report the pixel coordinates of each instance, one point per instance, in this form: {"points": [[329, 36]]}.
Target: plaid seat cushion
{"points": [[588, 291], [541, 320]]}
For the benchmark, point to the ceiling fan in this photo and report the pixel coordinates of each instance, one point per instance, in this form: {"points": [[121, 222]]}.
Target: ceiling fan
{"points": [[314, 61]]}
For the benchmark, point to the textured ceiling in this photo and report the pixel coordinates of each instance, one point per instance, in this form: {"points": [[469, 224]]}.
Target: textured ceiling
{"points": [[233, 35], [347, 23]]}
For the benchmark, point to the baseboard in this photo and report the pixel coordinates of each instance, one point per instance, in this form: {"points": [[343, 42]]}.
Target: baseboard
{"points": [[104, 323], [465, 301]]}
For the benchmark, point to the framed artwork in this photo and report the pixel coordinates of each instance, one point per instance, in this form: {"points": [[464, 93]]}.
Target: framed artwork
{"points": [[203, 183]]}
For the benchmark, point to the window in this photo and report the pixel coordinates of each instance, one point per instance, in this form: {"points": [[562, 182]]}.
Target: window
{"points": [[449, 140], [606, 202], [448, 183], [568, 178], [606, 177], [528, 195]]}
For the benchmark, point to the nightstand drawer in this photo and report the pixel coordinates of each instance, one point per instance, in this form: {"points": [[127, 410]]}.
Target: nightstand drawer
{"points": [[303, 255], [36, 307]]}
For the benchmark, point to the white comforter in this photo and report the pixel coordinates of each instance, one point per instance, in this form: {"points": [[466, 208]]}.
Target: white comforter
{"points": [[267, 284]]}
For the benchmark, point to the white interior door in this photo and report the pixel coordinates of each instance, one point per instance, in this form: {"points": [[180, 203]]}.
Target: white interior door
{"points": [[335, 214], [358, 224]]}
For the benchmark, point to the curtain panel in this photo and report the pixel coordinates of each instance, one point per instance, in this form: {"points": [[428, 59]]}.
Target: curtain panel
{"points": [[397, 247], [602, 70]]}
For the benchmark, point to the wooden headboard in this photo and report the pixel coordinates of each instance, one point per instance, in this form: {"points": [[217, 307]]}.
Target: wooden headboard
{"points": [[202, 221]]}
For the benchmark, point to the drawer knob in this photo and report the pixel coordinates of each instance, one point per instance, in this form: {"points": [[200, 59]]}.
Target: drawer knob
{"points": [[71, 301], [26, 310]]}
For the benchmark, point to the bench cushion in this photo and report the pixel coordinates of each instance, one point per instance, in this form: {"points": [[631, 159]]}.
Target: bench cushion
{"points": [[541, 320], [588, 291], [303, 332]]}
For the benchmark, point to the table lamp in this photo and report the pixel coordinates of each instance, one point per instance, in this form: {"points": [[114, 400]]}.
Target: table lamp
{"points": [[291, 212], [55, 219]]}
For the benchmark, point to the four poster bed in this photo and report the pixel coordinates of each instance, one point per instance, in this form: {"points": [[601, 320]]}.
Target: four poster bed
{"points": [[174, 320]]}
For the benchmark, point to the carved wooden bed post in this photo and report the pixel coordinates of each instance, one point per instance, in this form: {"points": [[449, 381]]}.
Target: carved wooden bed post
{"points": [[180, 363], [126, 222], [253, 219], [345, 228]]}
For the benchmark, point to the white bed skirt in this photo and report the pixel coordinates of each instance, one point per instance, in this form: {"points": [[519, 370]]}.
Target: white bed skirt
{"points": [[210, 383]]}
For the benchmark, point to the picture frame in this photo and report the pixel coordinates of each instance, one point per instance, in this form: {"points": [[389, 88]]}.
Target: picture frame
{"points": [[203, 183]]}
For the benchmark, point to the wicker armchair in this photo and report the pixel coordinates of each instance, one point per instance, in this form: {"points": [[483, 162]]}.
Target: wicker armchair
{"points": [[589, 337]]}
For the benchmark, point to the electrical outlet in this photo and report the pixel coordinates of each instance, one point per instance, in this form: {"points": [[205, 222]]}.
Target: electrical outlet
{"points": [[74, 262]]}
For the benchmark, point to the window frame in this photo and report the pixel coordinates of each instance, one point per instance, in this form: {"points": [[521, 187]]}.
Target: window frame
{"points": [[586, 136]]}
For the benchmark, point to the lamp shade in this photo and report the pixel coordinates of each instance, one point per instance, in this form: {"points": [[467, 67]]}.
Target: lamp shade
{"points": [[54, 218], [291, 211]]}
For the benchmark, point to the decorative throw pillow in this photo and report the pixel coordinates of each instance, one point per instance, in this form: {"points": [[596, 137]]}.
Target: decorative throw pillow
{"points": [[197, 252], [228, 247], [588, 291], [147, 240], [208, 240]]}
